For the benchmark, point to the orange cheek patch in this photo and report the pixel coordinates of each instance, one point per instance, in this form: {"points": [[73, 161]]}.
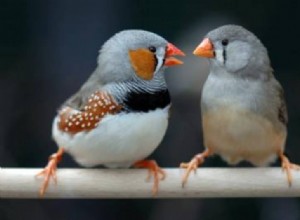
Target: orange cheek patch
{"points": [[143, 62], [99, 105]]}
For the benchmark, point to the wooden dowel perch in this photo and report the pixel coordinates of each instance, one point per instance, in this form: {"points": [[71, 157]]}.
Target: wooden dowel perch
{"points": [[130, 183]]}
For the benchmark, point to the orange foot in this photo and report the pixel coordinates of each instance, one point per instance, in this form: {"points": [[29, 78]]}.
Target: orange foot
{"points": [[154, 170], [50, 170], [287, 166], [193, 164]]}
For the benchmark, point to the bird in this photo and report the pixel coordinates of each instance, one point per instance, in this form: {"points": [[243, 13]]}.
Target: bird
{"points": [[243, 109], [120, 114]]}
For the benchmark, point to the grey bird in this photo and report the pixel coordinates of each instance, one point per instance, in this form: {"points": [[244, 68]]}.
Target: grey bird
{"points": [[244, 114], [120, 114]]}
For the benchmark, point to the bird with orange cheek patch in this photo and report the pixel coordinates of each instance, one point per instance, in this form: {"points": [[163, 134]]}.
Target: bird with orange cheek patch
{"points": [[244, 115], [120, 114]]}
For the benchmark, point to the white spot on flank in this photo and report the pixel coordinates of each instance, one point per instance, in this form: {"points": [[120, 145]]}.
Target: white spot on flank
{"points": [[83, 125]]}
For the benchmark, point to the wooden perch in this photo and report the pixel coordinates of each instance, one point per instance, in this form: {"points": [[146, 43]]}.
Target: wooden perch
{"points": [[130, 183]]}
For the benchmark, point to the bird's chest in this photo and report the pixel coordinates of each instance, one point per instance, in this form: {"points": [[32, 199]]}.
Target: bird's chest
{"points": [[220, 92], [118, 141], [234, 126]]}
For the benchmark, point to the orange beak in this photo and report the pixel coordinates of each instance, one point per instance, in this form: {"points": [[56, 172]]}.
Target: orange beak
{"points": [[172, 51], [205, 49]]}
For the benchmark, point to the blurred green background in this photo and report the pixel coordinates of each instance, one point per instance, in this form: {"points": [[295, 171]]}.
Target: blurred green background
{"points": [[49, 48]]}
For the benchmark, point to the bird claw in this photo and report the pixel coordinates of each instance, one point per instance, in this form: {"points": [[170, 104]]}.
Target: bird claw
{"points": [[49, 172], [154, 171], [287, 166], [157, 172], [191, 166]]}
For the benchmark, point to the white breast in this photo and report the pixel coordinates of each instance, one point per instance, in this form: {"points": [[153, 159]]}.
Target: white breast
{"points": [[118, 141]]}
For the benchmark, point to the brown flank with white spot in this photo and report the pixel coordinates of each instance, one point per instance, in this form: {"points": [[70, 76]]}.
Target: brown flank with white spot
{"points": [[99, 104]]}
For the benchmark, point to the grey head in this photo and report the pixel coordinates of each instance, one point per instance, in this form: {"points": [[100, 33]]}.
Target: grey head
{"points": [[237, 51], [119, 57]]}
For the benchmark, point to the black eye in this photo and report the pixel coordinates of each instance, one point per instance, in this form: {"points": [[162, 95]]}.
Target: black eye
{"points": [[152, 49], [225, 42]]}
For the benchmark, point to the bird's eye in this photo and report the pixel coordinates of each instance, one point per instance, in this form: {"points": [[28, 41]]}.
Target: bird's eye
{"points": [[225, 42], [152, 49]]}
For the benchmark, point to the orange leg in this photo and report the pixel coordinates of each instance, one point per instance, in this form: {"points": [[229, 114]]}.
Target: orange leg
{"points": [[153, 170], [197, 160], [50, 170], [287, 166]]}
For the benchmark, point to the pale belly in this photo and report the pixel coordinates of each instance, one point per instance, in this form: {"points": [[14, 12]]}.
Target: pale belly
{"points": [[238, 135], [118, 141]]}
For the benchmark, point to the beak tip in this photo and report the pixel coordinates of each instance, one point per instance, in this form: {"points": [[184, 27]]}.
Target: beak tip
{"points": [[173, 50], [172, 61], [204, 49], [196, 52]]}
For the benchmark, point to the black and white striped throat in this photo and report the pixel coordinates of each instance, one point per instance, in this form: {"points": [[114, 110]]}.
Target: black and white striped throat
{"points": [[141, 95]]}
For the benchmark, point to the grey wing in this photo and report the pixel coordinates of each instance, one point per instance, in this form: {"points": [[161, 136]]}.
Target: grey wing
{"points": [[76, 101], [80, 98], [282, 109]]}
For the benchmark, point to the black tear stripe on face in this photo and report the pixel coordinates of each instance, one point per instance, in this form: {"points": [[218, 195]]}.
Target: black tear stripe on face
{"points": [[155, 62], [142, 101], [153, 50], [224, 55]]}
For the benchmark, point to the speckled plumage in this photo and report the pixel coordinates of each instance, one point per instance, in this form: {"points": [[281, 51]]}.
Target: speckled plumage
{"points": [[118, 80], [120, 114]]}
